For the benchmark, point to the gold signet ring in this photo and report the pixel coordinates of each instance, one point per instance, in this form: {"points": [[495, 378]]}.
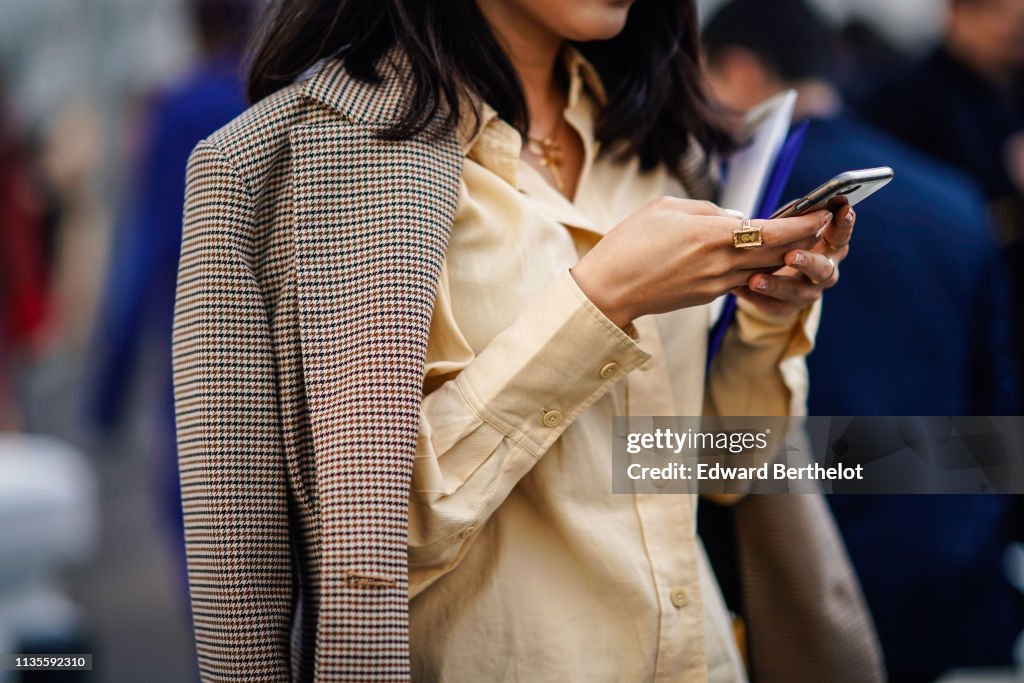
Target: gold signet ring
{"points": [[746, 236]]}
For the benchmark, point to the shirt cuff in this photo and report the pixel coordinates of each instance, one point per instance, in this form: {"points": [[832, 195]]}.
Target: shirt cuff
{"points": [[558, 357], [793, 334]]}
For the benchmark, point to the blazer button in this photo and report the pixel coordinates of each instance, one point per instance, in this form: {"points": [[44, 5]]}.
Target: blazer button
{"points": [[551, 418], [679, 597], [609, 370]]}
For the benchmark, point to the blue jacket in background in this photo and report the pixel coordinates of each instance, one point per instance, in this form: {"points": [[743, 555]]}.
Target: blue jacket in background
{"points": [[919, 325], [139, 294], [138, 305]]}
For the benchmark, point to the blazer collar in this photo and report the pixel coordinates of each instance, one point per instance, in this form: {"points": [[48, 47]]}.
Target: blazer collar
{"points": [[370, 104], [360, 102]]}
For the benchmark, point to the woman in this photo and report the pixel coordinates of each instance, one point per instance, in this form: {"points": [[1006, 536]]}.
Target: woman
{"points": [[415, 288]]}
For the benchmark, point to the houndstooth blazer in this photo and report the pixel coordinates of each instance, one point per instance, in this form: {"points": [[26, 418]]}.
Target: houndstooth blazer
{"points": [[309, 264]]}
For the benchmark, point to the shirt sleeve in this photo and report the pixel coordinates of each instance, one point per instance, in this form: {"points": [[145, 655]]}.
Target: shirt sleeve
{"points": [[761, 369], [483, 430]]}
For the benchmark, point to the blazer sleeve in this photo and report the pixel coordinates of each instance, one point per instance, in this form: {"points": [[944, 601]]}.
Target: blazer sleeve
{"points": [[230, 450]]}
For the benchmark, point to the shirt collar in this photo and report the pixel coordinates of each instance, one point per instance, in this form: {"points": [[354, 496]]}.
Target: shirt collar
{"points": [[582, 75]]}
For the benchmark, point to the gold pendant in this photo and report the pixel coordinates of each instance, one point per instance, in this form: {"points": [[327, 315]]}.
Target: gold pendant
{"points": [[551, 158]]}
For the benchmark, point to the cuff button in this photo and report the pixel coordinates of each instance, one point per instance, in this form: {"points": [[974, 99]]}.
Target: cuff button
{"points": [[551, 418], [609, 370]]}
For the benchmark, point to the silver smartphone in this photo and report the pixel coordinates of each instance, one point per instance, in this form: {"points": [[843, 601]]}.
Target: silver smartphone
{"points": [[851, 186]]}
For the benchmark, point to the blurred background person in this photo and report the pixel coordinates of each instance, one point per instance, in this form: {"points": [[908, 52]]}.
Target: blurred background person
{"points": [[87, 79], [865, 59], [24, 267], [920, 328], [74, 68], [964, 104], [138, 304]]}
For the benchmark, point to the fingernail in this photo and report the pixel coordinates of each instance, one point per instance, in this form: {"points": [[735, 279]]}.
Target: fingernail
{"points": [[827, 219], [734, 213], [849, 216], [799, 259], [762, 283]]}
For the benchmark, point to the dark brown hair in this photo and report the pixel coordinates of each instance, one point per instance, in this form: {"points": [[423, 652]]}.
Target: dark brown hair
{"points": [[651, 70]]}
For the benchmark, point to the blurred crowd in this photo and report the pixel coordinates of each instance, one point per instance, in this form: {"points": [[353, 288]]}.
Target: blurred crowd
{"points": [[928, 317], [101, 102]]}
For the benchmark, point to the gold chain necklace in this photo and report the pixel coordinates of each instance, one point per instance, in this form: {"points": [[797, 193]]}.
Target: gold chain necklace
{"points": [[550, 153]]}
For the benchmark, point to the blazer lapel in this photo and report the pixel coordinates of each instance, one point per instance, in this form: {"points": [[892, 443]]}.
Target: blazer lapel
{"points": [[372, 220]]}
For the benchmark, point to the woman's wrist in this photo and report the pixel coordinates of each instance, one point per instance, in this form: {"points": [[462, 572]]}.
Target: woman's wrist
{"points": [[613, 307]]}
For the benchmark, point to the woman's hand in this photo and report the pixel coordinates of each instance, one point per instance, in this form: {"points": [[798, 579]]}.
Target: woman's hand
{"points": [[807, 273], [676, 253]]}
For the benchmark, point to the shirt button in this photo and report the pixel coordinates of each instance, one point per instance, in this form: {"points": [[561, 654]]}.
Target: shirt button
{"points": [[679, 597], [551, 418], [467, 532], [609, 370]]}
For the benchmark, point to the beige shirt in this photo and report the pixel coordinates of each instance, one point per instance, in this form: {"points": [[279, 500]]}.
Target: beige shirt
{"points": [[523, 564]]}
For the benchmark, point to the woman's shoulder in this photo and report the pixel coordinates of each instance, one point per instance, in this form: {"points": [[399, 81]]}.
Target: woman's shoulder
{"points": [[252, 140], [257, 141]]}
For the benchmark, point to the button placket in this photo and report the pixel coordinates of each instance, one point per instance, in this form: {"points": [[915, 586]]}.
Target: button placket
{"points": [[681, 646]]}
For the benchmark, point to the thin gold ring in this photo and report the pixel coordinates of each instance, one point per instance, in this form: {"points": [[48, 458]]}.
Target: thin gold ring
{"points": [[830, 275], [747, 235], [833, 247]]}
